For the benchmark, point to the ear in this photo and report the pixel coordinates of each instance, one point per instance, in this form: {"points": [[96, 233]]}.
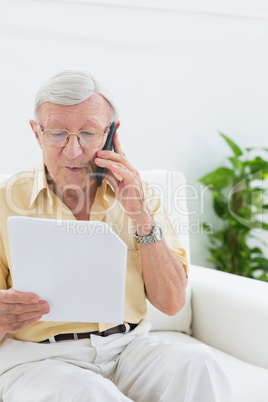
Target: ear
{"points": [[117, 125], [35, 127]]}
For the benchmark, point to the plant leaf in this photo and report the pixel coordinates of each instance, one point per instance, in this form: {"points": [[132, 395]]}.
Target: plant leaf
{"points": [[237, 163], [260, 225], [256, 250], [265, 226], [257, 164], [228, 247], [235, 148], [260, 260], [263, 277], [219, 178], [220, 207]]}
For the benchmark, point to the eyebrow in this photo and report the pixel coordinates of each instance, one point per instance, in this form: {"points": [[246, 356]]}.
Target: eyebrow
{"points": [[92, 123], [88, 121]]}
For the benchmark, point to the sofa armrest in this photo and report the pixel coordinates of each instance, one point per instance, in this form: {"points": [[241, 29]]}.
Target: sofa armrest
{"points": [[230, 313]]}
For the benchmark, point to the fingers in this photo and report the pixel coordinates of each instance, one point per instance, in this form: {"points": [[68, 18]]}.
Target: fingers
{"points": [[13, 296], [118, 164], [117, 168], [18, 309], [112, 179], [128, 190], [117, 155], [115, 158], [13, 327]]}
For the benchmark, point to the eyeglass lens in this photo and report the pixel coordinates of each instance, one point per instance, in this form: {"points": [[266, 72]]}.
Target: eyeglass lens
{"points": [[59, 138]]}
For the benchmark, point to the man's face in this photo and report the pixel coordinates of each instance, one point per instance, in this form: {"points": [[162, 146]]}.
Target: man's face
{"points": [[72, 165]]}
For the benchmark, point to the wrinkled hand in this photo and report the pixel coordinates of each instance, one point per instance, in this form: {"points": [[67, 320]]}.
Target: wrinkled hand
{"points": [[128, 190], [18, 310]]}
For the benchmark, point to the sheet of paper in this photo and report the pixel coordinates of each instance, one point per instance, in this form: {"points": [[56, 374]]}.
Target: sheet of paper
{"points": [[78, 267]]}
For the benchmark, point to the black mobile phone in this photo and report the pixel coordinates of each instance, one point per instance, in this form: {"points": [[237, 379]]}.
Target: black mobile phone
{"points": [[108, 146]]}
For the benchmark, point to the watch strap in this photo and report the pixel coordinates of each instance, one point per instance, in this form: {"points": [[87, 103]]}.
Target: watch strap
{"points": [[154, 237]]}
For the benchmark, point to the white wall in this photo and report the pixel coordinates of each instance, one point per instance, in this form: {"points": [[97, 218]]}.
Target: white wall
{"points": [[180, 72]]}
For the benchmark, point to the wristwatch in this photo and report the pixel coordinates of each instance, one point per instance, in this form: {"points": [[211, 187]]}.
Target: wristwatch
{"points": [[155, 236]]}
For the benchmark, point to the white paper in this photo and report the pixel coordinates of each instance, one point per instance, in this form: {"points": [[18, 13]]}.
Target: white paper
{"points": [[78, 267]]}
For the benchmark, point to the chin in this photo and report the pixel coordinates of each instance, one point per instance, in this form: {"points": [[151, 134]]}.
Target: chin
{"points": [[81, 179]]}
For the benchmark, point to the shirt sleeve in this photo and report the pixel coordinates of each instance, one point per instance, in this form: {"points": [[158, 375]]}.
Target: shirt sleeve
{"points": [[160, 216]]}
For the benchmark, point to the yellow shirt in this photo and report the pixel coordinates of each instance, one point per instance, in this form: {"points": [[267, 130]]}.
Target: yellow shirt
{"points": [[27, 193]]}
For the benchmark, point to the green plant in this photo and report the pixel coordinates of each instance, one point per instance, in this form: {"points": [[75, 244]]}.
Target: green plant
{"points": [[239, 201]]}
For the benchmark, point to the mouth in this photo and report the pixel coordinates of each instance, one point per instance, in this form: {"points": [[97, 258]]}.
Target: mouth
{"points": [[74, 169]]}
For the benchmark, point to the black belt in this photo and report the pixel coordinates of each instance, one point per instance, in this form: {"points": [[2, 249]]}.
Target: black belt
{"points": [[115, 330]]}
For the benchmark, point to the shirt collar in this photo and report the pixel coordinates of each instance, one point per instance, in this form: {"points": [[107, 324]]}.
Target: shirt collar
{"points": [[104, 192], [40, 183]]}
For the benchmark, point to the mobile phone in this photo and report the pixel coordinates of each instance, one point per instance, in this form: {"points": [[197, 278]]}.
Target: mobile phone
{"points": [[108, 146]]}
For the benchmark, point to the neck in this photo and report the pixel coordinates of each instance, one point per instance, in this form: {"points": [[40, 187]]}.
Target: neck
{"points": [[78, 200]]}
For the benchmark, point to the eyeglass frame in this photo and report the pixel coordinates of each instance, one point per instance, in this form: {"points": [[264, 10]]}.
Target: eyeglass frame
{"points": [[77, 135]]}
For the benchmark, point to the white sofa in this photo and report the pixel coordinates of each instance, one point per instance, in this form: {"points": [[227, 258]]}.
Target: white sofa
{"points": [[224, 311]]}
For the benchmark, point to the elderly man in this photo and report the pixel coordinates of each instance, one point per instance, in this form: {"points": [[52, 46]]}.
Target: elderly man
{"points": [[72, 361]]}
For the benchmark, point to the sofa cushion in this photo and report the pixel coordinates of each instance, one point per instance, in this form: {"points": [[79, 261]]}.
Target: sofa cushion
{"points": [[230, 313], [249, 383]]}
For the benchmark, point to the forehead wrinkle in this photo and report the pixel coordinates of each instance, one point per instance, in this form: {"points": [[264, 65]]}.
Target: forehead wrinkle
{"points": [[94, 109]]}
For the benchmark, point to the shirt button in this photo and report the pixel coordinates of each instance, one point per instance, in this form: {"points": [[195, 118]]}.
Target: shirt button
{"points": [[135, 255]]}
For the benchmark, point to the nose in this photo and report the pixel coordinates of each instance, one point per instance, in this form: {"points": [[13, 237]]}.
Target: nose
{"points": [[72, 149]]}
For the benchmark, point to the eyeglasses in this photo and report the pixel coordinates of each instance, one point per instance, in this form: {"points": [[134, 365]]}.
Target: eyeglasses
{"points": [[57, 137]]}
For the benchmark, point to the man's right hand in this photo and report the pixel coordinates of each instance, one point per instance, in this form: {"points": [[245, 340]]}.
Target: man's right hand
{"points": [[19, 310]]}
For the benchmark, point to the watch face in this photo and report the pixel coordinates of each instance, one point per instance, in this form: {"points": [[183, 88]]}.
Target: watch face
{"points": [[158, 233]]}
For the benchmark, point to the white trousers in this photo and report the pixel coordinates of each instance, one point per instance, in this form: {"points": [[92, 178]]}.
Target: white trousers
{"points": [[122, 367]]}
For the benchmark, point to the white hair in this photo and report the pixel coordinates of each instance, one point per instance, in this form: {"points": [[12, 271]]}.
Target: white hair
{"points": [[70, 87]]}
